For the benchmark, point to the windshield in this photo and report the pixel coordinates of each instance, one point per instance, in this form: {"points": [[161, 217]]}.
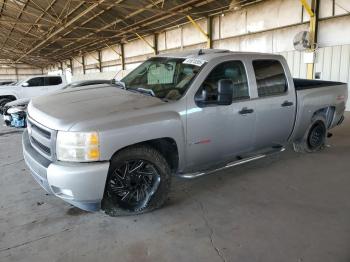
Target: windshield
{"points": [[165, 78]]}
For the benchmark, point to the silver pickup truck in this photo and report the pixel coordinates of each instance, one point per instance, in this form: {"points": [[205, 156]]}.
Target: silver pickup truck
{"points": [[184, 114]]}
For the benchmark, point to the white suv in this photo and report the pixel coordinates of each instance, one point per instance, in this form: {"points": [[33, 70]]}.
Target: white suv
{"points": [[31, 87]]}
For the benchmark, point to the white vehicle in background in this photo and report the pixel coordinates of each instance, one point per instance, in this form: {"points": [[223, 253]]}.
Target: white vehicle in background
{"points": [[6, 82], [15, 112], [31, 87]]}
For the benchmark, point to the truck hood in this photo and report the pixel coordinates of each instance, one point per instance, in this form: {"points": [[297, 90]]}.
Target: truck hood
{"points": [[7, 88], [62, 110]]}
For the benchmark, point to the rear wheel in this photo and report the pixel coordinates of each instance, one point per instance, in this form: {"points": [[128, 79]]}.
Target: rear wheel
{"points": [[314, 139], [138, 181]]}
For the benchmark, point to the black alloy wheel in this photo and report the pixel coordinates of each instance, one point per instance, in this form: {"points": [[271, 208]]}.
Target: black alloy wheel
{"points": [[317, 136], [138, 181], [133, 183]]}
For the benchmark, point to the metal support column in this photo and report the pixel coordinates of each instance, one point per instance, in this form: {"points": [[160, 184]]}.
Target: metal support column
{"points": [[71, 65], [122, 56], [16, 72], [77, 62], [155, 44], [148, 43], [210, 32], [313, 28], [83, 63], [100, 60], [200, 29], [115, 51]]}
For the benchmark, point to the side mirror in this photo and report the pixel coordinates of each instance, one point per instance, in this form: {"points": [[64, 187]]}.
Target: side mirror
{"points": [[25, 84], [225, 92]]}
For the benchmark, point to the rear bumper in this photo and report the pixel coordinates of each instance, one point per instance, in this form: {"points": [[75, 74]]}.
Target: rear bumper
{"points": [[80, 184]]}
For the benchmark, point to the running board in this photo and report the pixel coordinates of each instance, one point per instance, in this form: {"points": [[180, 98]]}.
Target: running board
{"points": [[232, 164]]}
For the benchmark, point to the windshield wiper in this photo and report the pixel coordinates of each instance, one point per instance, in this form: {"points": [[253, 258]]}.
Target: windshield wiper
{"points": [[118, 83], [146, 91]]}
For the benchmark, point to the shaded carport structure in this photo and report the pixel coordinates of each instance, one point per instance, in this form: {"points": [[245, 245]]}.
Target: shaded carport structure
{"points": [[43, 32], [290, 207]]}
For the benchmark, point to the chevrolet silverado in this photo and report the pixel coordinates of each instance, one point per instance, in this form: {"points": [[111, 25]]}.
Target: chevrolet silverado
{"points": [[185, 114]]}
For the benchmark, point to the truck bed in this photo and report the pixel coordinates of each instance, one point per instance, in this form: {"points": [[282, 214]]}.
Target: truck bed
{"points": [[315, 96], [302, 84]]}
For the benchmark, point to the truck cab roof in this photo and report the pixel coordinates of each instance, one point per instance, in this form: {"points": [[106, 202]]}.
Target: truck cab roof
{"points": [[209, 54]]}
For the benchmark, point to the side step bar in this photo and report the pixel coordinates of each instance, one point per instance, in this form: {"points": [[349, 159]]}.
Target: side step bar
{"points": [[232, 164]]}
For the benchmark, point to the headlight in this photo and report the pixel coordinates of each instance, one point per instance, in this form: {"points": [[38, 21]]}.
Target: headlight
{"points": [[77, 146]]}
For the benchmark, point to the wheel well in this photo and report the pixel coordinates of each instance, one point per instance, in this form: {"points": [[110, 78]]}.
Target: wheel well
{"points": [[13, 98], [327, 113], [166, 146]]}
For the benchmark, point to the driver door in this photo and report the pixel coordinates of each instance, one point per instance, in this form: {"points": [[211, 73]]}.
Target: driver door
{"points": [[36, 87], [219, 133]]}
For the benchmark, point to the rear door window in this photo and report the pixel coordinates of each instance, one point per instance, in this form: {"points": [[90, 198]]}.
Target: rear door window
{"points": [[270, 78], [36, 81], [53, 81]]}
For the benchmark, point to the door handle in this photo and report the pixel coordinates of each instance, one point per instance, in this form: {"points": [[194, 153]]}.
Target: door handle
{"points": [[245, 111], [286, 103]]}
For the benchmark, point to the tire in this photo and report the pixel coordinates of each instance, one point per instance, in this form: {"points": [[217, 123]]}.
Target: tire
{"points": [[138, 181], [3, 102], [314, 139]]}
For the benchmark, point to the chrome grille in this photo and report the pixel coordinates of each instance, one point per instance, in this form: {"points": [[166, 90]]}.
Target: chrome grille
{"points": [[41, 131], [42, 147], [41, 138]]}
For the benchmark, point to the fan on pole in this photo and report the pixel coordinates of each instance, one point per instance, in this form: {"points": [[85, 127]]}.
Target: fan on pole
{"points": [[302, 41]]}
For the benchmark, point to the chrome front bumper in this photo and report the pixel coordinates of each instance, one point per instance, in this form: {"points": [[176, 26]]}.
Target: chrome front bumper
{"points": [[80, 184]]}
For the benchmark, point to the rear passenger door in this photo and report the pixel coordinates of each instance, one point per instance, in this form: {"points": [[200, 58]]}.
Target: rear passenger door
{"points": [[53, 83], [275, 103]]}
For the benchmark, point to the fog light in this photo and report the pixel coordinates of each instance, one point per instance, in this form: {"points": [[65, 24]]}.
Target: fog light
{"points": [[62, 192], [67, 192]]}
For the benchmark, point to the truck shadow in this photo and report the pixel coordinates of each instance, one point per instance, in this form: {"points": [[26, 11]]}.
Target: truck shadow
{"points": [[74, 211], [11, 132], [185, 189]]}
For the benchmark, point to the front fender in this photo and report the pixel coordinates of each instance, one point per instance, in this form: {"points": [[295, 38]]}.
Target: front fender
{"points": [[140, 129], [5, 92]]}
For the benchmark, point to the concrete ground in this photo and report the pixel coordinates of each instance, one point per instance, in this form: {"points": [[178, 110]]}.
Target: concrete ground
{"points": [[291, 207]]}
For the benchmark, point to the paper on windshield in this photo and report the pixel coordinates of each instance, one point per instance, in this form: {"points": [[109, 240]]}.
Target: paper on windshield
{"points": [[194, 61]]}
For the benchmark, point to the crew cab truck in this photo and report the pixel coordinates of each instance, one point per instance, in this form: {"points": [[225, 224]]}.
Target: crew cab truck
{"points": [[184, 114], [31, 87]]}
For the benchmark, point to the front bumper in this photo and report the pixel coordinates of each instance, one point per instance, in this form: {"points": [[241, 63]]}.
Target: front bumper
{"points": [[80, 184]]}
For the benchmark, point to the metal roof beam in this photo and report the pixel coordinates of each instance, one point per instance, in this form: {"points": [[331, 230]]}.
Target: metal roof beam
{"points": [[133, 27], [59, 30]]}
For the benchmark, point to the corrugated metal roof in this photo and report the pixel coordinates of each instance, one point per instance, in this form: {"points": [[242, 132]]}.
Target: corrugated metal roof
{"points": [[42, 32]]}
